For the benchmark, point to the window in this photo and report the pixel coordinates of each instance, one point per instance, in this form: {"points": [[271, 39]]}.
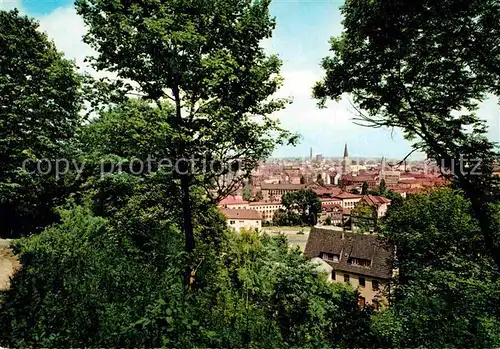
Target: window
{"points": [[346, 277], [232, 222], [330, 257], [362, 282], [375, 285], [333, 275], [242, 221], [359, 262]]}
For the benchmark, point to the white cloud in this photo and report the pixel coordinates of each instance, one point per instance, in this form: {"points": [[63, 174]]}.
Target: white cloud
{"points": [[66, 28], [8, 5], [303, 112]]}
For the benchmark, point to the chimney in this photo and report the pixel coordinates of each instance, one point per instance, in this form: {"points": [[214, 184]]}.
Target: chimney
{"points": [[343, 235]]}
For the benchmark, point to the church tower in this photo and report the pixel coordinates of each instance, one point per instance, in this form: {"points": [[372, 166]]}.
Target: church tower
{"points": [[346, 161]]}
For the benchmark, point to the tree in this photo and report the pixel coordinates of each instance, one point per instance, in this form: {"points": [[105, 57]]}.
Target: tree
{"points": [[319, 179], [118, 282], [259, 196], [364, 217], [205, 57], [83, 283], [284, 218], [303, 202], [364, 190], [440, 261], [328, 220], [40, 99], [355, 191], [247, 192], [393, 196], [382, 188], [424, 67]]}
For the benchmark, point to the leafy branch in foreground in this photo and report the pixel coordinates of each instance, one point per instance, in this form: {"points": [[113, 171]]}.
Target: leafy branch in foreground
{"points": [[424, 67], [203, 57]]}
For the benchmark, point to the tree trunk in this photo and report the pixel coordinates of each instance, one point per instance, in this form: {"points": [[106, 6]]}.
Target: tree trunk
{"points": [[185, 189], [188, 228], [186, 208]]}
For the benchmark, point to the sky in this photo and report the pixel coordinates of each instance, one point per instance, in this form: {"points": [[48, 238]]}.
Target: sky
{"points": [[301, 41]]}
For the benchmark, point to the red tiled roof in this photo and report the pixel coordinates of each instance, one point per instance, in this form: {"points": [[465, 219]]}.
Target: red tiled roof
{"points": [[232, 200], [239, 213], [375, 200], [346, 195]]}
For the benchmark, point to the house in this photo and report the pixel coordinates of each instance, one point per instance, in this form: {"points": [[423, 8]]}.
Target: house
{"points": [[348, 200], [364, 261], [333, 178], [242, 218], [358, 181], [274, 192], [333, 211], [266, 209], [391, 178], [379, 203]]}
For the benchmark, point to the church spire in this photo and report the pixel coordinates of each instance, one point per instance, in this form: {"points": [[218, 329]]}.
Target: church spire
{"points": [[346, 153]]}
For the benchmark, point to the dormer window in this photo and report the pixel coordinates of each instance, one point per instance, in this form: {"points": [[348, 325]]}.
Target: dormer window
{"points": [[330, 257], [359, 262]]}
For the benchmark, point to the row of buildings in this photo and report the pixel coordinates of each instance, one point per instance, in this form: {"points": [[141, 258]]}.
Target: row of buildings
{"points": [[336, 205], [272, 180]]}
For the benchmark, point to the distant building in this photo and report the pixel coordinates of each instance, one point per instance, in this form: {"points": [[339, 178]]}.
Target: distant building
{"points": [[348, 200], [332, 211], [391, 178], [379, 203], [319, 157], [242, 218], [358, 181], [333, 178], [266, 209], [274, 192], [364, 261]]}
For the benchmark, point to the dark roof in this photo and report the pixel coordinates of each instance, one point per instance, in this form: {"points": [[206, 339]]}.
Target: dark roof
{"points": [[357, 245], [239, 213]]}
